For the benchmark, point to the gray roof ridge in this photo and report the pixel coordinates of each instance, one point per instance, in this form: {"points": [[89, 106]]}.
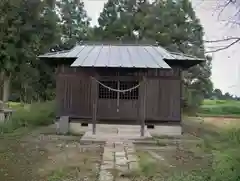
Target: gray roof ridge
{"points": [[118, 43]]}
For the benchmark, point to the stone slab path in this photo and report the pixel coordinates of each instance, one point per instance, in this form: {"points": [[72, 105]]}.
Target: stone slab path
{"points": [[118, 158]]}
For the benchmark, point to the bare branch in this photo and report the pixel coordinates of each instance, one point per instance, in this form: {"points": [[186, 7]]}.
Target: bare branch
{"points": [[223, 48], [235, 17], [232, 21], [223, 7], [222, 40], [228, 22]]}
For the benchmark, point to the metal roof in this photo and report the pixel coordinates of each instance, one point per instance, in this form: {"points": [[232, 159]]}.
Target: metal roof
{"points": [[135, 56]]}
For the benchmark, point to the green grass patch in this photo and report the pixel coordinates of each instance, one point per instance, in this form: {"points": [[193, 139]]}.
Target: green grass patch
{"points": [[58, 175], [36, 114], [220, 107], [224, 147], [147, 165], [16, 105], [215, 158]]}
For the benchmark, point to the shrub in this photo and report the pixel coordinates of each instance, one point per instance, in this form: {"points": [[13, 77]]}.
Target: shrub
{"points": [[37, 114]]}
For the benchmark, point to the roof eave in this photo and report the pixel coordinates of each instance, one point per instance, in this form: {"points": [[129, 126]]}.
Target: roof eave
{"points": [[184, 63], [55, 61]]}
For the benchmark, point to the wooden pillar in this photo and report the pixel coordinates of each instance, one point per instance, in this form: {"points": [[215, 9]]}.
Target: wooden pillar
{"points": [[94, 105], [143, 105], [181, 96]]}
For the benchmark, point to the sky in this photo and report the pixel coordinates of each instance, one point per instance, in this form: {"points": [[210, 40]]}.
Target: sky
{"points": [[225, 64]]}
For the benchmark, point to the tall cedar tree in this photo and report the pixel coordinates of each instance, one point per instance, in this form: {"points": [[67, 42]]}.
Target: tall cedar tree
{"points": [[173, 24], [74, 22], [122, 19], [27, 28]]}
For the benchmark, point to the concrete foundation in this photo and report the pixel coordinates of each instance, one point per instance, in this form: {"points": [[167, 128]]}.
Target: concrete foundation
{"points": [[2, 117], [166, 131], [131, 131], [115, 132], [77, 128]]}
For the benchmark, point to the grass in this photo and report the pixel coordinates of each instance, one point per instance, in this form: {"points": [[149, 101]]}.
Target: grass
{"points": [[214, 158], [220, 108], [36, 114], [15, 105], [58, 175], [223, 144]]}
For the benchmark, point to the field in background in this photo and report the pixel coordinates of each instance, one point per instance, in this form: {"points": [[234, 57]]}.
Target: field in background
{"points": [[220, 108]]}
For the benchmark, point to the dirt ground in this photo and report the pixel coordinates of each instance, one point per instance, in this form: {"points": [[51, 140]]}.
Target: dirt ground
{"points": [[42, 156], [219, 122], [162, 161]]}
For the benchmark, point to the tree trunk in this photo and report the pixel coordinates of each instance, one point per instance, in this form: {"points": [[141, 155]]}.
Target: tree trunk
{"points": [[1, 85], [25, 93], [6, 87]]}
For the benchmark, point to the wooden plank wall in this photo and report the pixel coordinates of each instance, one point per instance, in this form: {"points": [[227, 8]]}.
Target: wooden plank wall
{"points": [[162, 97], [74, 94]]}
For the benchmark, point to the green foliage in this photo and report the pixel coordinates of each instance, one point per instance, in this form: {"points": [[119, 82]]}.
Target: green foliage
{"points": [[217, 94], [74, 22], [28, 28], [37, 114], [122, 19]]}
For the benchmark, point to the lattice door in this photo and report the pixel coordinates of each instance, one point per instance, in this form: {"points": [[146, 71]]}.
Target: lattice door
{"points": [[117, 98]]}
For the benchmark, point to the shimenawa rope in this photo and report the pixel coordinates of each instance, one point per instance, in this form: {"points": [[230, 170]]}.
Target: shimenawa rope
{"points": [[117, 90]]}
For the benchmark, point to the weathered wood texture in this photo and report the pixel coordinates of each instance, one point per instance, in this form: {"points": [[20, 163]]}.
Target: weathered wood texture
{"points": [[163, 93], [74, 94]]}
